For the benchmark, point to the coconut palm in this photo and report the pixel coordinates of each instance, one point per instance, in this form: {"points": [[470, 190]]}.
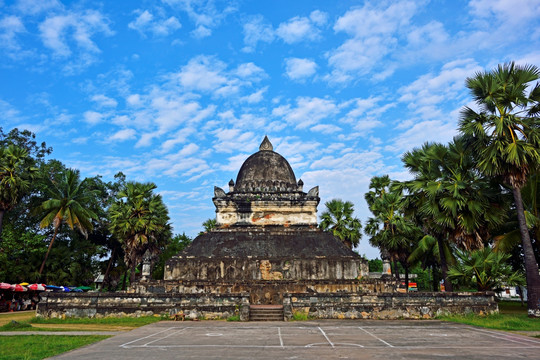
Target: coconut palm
{"points": [[338, 219], [505, 134], [16, 174], [67, 202], [140, 220]]}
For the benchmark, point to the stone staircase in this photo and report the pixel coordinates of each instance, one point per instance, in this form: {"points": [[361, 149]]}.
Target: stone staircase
{"points": [[266, 313]]}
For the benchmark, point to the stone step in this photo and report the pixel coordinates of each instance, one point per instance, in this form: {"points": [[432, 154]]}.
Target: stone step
{"points": [[266, 313]]}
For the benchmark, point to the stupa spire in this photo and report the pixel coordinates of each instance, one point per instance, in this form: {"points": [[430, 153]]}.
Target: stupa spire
{"points": [[266, 145]]}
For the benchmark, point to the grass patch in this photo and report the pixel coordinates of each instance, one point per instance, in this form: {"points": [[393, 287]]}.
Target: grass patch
{"points": [[512, 322], [512, 307], [300, 316], [234, 318], [15, 325], [123, 321], [37, 347]]}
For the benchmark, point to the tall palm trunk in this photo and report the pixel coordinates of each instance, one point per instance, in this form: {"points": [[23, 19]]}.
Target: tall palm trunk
{"points": [[106, 282], [531, 267], [48, 251], [444, 265]]}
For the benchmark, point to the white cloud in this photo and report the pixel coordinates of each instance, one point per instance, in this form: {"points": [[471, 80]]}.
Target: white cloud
{"points": [[298, 29], [122, 135], [257, 30], [58, 32], [250, 71], [34, 7], [202, 73], [146, 22], [514, 12], [298, 69], [374, 31], [9, 113], [308, 111], [318, 17], [10, 27], [255, 97], [206, 14], [104, 101], [92, 117]]}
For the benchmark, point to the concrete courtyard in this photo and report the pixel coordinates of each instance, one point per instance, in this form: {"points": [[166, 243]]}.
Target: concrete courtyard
{"points": [[323, 339]]}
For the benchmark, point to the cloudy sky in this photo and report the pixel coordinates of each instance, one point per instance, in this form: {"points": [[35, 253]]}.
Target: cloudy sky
{"points": [[181, 92]]}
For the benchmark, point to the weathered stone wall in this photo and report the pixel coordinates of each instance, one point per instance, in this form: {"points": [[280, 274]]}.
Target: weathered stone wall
{"points": [[314, 305], [388, 305], [206, 306], [242, 269]]}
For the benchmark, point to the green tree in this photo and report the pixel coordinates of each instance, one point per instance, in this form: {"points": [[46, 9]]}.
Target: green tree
{"points": [[450, 199], [338, 219], [426, 253], [66, 202], [176, 245], [389, 229], [484, 269], [140, 220], [208, 225], [16, 174], [505, 135]]}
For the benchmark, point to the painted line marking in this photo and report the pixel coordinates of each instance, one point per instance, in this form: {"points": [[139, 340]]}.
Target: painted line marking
{"points": [[506, 336], [327, 339], [154, 334], [163, 338], [280, 337], [375, 336]]}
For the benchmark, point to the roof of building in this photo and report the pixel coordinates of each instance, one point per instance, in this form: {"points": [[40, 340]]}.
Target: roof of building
{"points": [[267, 243]]}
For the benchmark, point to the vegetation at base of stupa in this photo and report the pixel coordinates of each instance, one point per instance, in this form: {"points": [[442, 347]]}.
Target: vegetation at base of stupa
{"points": [[58, 228], [470, 213]]}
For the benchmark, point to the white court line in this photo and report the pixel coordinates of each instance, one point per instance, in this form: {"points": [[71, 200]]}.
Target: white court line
{"points": [[506, 336], [163, 338], [375, 336], [327, 339], [280, 338], [222, 346], [159, 332]]}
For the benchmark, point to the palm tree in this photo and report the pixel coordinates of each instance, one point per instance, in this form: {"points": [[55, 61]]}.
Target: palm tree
{"points": [[484, 269], [16, 173], [389, 229], [427, 254], [453, 201], [505, 134], [67, 201], [140, 220], [338, 219], [208, 225]]}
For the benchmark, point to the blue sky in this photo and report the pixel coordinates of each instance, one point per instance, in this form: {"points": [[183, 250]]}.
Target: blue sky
{"points": [[181, 92]]}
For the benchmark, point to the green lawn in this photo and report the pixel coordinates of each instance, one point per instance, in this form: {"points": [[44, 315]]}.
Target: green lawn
{"points": [[512, 316], [123, 321], [36, 347]]}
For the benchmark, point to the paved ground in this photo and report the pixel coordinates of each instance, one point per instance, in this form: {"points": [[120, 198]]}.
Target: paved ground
{"points": [[329, 339]]}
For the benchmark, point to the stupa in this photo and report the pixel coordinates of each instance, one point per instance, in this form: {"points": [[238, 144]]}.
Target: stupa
{"points": [[266, 241]]}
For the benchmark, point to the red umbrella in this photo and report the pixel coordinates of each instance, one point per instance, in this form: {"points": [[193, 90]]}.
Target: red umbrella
{"points": [[36, 287], [18, 287], [5, 286]]}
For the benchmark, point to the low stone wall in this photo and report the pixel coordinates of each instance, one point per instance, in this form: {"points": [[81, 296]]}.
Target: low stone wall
{"points": [[206, 306], [222, 306], [264, 291], [388, 305]]}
